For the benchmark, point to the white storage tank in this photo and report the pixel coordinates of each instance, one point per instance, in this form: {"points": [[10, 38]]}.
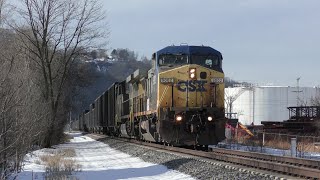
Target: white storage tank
{"points": [[266, 103]]}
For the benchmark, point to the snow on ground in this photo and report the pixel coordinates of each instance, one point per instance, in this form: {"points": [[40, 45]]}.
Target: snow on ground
{"points": [[99, 161]]}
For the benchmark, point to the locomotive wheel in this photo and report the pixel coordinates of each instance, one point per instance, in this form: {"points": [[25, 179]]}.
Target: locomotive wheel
{"points": [[128, 128]]}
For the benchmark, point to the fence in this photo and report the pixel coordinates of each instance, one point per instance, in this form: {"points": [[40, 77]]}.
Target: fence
{"points": [[274, 143]]}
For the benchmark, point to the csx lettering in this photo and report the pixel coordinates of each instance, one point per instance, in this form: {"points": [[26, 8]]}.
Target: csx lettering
{"points": [[192, 86]]}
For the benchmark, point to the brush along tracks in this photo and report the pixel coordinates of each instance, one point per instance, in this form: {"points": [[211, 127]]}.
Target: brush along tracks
{"points": [[286, 165]]}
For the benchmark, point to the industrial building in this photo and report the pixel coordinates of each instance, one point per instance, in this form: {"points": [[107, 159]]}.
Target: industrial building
{"points": [[254, 104]]}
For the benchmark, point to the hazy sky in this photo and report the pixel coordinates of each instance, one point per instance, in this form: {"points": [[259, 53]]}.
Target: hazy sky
{"points": [[262, 41]]}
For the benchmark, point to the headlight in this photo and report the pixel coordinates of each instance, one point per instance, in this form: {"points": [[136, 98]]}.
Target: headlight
{"points": [[178, 118], [210, 118], [192, 76], [192, 72]]}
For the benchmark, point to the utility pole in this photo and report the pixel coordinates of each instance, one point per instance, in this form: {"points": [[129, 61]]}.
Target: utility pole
{"points": [[298, 91]]}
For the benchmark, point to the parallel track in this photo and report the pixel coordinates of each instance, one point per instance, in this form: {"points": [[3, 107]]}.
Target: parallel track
{"points": [[286, 165]]}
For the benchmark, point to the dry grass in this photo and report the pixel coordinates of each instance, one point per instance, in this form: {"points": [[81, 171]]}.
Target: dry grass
{"points": [[277, 144], [59, 165], [308, 147], [304, 146], [67, 152]]}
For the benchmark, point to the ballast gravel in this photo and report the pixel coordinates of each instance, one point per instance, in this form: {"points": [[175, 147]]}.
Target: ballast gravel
{"points": [[198, 168]]}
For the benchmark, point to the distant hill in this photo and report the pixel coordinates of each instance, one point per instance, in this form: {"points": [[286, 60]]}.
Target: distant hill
{"points": [[232, 83]]}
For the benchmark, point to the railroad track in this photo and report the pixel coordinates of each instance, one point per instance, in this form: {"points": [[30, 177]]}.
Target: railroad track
{"points": [[298, 167]]}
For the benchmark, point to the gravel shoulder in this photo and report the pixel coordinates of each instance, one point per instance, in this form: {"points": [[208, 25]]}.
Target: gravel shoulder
{"points": [[199, 168]]}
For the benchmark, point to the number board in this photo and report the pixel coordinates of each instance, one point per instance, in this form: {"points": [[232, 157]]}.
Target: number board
{"points": [[217, 80], [166, 80]]}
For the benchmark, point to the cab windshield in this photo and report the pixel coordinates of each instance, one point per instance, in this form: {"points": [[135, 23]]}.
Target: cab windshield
{"points": [[173, 60], [209, 61]]}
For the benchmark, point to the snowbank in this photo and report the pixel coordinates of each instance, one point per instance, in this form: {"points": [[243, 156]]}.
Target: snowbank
{"points": [[99, 161]]}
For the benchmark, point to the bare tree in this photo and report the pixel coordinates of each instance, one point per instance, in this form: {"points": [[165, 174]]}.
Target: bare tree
{"points": [[2, 3], [315, 101], [7, 99], [13, 105], [54, 32], [36, 56], [230, 98], [19, 105]]}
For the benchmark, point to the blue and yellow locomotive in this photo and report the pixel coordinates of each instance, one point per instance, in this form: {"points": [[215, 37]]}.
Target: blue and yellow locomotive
{"points": [[180, 100]]}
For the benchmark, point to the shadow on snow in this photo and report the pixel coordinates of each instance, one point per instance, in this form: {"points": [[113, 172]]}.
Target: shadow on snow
{"points": [[113, 174]]}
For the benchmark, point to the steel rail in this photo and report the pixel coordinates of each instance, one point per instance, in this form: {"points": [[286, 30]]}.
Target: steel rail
{"points": [[268, 157], [285, 165]]}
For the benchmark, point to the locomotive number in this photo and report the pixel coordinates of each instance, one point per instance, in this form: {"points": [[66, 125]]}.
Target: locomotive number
{"points": [[217, 80], [167, 80], [192, 86]]}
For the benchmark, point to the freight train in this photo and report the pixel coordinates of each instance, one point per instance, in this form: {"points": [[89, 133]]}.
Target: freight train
{"points": [[179, 101]]}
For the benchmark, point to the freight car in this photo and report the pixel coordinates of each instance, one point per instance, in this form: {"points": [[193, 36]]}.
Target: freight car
{"points": [[180, 100]]}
